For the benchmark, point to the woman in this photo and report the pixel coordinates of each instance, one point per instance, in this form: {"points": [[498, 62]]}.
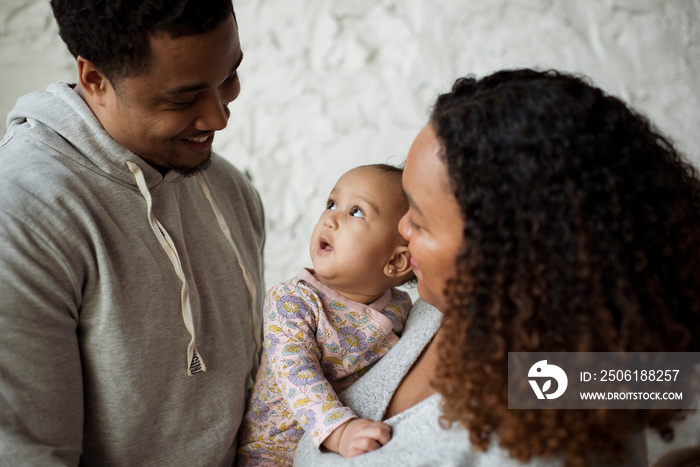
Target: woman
{"points": [[543, 216]]}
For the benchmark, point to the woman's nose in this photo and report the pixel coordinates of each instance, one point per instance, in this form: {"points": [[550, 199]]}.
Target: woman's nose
{"points": [[405, 228]]}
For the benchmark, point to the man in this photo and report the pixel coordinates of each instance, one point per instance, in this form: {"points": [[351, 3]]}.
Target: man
{"points": [[130, 276]]}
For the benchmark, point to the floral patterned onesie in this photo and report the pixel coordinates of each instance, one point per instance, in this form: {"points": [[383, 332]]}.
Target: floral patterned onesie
{"points": [[317, 343]]}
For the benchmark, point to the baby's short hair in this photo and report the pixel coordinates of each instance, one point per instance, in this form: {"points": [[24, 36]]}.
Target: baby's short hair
{"points": [[388, 168]]}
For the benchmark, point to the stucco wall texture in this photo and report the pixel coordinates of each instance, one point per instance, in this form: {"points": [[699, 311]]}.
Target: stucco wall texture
{"points": [[331, 84]]}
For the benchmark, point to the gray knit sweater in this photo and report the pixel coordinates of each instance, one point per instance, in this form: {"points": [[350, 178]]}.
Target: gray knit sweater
{"points": [[417, 438]]}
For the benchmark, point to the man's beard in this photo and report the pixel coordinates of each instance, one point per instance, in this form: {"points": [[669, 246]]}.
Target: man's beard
{"points": [[189, 171]]}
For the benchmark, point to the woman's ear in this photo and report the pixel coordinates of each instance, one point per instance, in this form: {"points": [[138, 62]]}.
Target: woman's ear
{"points": [[400, 263]]}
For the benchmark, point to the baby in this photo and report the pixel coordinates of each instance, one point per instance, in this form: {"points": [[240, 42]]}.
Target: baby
{"points": [[328, 325]]}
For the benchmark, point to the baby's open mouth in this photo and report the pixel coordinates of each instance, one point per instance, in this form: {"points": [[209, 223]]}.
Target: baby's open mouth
{"points": [[325, 246]]}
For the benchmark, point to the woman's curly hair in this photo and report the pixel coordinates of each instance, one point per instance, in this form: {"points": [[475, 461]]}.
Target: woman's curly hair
{"points": [[581, 233]]}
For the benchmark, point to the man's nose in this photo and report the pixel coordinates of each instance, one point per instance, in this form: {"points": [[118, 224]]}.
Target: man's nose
{"points": [[214, 115]]}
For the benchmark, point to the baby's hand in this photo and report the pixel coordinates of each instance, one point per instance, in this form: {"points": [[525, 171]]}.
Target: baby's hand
{"points": [[358, 436]]}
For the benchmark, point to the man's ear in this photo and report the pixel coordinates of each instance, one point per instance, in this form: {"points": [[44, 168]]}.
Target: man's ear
{"points": [[399, 264], [92, 81]]}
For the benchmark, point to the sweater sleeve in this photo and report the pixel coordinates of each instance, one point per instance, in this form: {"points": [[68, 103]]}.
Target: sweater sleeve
{"points": [[41, 395], [291, 313]]}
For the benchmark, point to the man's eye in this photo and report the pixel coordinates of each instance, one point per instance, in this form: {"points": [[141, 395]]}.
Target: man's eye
{"points": [[357, 212], [184, 103], [330, 205]]}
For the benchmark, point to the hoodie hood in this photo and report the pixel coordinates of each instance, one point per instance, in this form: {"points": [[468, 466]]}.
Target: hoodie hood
{"points": [[95, 312], [63, 111], [62, 120]]}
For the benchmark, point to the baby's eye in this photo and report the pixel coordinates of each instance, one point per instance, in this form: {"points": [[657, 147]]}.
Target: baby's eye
{"points": [[357, 212], [330, 204]]}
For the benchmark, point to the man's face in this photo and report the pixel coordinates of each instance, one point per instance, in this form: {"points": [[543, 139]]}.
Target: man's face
{"points": [[168, 114]]}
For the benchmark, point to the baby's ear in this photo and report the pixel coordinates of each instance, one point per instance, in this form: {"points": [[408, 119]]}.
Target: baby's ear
{"points": [[400, 263]]}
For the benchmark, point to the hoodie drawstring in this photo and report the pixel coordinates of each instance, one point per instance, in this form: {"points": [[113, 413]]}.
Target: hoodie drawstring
{"points": [[246, 275], [195, 364]]}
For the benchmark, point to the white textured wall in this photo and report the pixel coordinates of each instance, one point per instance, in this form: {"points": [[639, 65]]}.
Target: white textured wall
{"points": [[331, 84]]}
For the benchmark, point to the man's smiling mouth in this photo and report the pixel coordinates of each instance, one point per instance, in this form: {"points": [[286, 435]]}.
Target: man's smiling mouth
{"points": [[198, 139]]}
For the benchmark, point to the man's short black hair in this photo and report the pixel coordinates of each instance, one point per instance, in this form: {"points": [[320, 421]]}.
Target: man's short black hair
{"points": [[114, 34]]}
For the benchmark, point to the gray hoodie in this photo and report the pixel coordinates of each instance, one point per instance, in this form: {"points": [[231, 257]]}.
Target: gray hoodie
{"points": [[129, 301]]}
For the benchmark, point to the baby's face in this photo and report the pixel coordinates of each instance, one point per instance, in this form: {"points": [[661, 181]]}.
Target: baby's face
{"points": [[358, 231]]}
